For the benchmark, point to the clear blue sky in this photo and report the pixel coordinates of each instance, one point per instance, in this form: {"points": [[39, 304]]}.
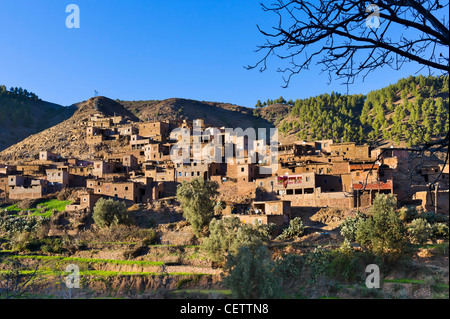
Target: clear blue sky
{"points": [[148, 49]]}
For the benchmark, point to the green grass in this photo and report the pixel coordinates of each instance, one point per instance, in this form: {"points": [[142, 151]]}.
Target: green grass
{"points": [[52, 204], [43, 209], [91, 260], [13, 208], [203, 291], [415, 281]]}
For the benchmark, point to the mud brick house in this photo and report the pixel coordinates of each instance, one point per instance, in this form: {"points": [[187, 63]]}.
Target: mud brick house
{"points": [[156, 152], [242, 172], [31, 169], [350, 150], [95, 139], [156, 131], [160, 173], [137, 142], [130, 162], [261, 213], [129, 192], [365, 193], [289, 152], [433, 201], [101, 168], [305, 190], [127, 130], [187, 172], [3, 185], [46, 156], [29, 189], [59, 177], [86, 202]]}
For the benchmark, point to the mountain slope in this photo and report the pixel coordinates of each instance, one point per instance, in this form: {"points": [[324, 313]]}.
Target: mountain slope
{"points": [[410, 112], [22, 115], [213, 113], [68, 138]]}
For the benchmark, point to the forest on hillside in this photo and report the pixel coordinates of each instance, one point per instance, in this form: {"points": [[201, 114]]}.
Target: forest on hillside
{"points": [[15, 106], [414, 110]]}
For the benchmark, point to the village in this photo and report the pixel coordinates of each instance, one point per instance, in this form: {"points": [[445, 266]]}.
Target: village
{"points": [[305, 174]]}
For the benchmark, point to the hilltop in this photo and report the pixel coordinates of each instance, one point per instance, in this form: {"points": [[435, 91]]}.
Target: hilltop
{"points": [[213, 113]]}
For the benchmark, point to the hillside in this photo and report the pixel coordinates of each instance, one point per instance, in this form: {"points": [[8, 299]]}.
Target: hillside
{"points": [[412, 111], [22, 114], [409, 112], [213, 113], [68, 138]]}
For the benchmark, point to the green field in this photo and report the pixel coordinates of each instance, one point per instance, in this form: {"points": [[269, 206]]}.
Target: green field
{"points": [[43, 209]]}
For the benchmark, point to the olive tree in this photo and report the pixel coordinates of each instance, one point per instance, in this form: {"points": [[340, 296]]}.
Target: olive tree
{"points": [[197, 201]]}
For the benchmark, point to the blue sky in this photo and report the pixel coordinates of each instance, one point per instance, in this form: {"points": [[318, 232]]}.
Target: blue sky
{"points": [[141, 50]]}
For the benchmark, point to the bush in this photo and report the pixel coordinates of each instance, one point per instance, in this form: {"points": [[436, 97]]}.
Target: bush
{"points": [[440, 231], [295, 229], [420, 231], [11, 224], [229, 235], [151, 237], [251, 274], [290, 267], [350, 225], [408, 214], [108, 212]]}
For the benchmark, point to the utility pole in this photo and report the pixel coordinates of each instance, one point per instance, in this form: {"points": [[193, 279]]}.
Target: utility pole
{"points": [[436, 199]]}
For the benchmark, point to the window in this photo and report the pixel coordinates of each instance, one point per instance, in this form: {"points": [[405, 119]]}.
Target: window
{"points": [[242, 169], [126, 188]]}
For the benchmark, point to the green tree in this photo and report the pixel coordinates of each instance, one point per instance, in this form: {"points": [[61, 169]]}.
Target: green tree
{"points": [[252, 274], [383, 231], [420, 231], [197, 201], [227, 235], [108, 212]]}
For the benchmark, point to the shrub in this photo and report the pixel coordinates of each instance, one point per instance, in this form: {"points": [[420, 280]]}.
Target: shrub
{"points": [[408, 214], [440, 231], [295, 229], [251, 274], [383, 232], [290, 267], [420, 231], [229, 235], [108, 212], [151, 237], [18, 224], [350, 225], [197, 201]]}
